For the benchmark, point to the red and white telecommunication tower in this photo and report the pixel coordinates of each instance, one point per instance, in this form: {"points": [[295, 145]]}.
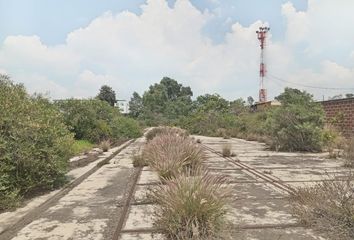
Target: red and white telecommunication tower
{"points": [[262, 35]]}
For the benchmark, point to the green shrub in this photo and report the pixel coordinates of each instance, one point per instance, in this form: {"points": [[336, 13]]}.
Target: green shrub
{"points": [[170, 154], [192, 207], [297, 125], [88, 119], [95, 120], [35, 144], [124, 128]]}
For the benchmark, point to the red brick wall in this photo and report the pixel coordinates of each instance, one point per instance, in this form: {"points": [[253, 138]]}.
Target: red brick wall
{"points": [[338, 108]]}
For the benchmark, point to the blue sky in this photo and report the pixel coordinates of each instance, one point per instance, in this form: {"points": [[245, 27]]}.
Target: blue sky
{"points": [[53, 20], [70, 48]]}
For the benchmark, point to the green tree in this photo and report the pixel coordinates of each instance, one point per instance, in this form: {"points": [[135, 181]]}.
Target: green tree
{"points": [[250, 100], [107, 94], [89, 119], [166, 101], [212, 102], [135, 105], [238, 106]]}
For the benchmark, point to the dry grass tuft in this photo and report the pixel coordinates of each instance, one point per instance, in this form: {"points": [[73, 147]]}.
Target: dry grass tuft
{"points": [[139, 160], [165, 130], [105, 145], [226, 150], [170, 154], [192, 207], [328, 207]]}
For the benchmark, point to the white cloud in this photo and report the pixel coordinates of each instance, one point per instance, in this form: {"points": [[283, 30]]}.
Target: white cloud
{"points": [[89, 83], [130, 52], [324, 25], [321, 44]]}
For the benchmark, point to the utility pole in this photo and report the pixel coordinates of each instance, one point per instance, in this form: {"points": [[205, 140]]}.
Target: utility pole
{"points": [[262, 35]]}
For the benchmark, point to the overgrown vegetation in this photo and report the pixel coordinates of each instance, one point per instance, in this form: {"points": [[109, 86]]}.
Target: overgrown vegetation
{"points": [[35, 144], [191, 202], [333, 141], [290, 127], [37, 137], [162, 130], [95, 120], [349, 153], [171, 154], [327, 207], [192, 207], [298, 124]]}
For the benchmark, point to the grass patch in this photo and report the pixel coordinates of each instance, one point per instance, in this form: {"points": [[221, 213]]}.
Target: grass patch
{"points": [[81, 146], [327, 207], [192, 207]]}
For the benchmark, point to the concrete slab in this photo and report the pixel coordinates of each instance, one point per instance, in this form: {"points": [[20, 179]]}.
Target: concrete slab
{"points": [[7, 219], [141, 194], [91, 210], [254, 191], [276, 234], [235, 175], [141, 236], [148, 177], [140, 217], [260, 212]]}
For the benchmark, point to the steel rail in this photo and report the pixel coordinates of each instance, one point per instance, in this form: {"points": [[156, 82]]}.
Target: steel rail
{"points": [[270, 179]]}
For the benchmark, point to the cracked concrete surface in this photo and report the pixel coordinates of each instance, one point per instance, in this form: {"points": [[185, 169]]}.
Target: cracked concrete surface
{"points": [[92, 209], [258, 211]]}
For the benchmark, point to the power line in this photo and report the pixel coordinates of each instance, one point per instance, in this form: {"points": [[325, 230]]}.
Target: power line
{"points": [[307, 86]]}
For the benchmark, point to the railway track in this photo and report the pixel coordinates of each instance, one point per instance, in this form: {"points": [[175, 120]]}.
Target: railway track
{"points": [[266, 177], [11, 231], [127, 204]]}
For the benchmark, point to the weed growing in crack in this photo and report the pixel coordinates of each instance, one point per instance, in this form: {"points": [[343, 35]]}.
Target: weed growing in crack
{"points": [[327, 207], [170, 154], [226, 150], [192, 206]]}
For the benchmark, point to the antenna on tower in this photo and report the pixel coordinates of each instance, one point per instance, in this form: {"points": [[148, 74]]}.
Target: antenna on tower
{"points": [[262, 35]]}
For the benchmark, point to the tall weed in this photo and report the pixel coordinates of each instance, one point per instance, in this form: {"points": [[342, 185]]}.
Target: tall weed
{"points": [[170, 154], [192, 206]]}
